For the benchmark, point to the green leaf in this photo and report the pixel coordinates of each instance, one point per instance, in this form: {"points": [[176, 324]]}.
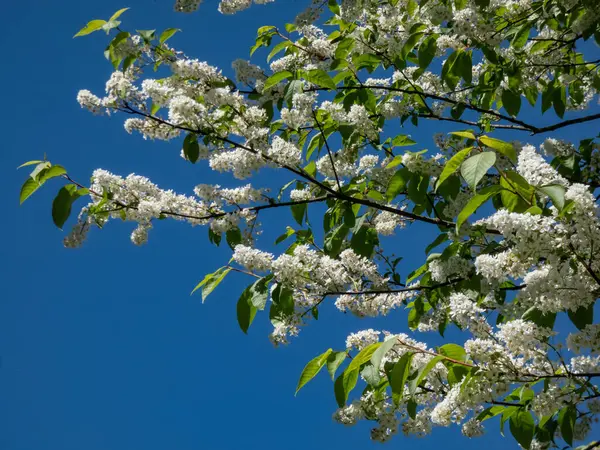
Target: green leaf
{"points": [[349, 381], [556, 192], [502, 147], [464, 134], [453, 351], [423, 372], [427, 51], [334, 360], [366, 61], [559, 100], [245, 310], [281, 46], [582, 317], [437, 241], [31, 163], [167, 34], [397, 184], [259, 292], [363, 356], [93, 25], [484, 195], [28, 188], [402, 140], [464, 66], [364, 240], [37, 170], [380, 352], [312, 368], [416, 273], [410, 43], [518, 194], [211, 281], [452, 166], [61, 206], [51, 172], [267, 29], [276, 78], [522, 427], [520, 38], [511, 102], [540, 46], [116, 15], [233, 237], [343, 386], [129, 60], [566, 421], [490, 412], [411, 408], [148, 35], [399, 374], [447, 73], [290, 231], [299, 212], [335, 238], [371, 375], [319, 77], [456, 373], [539, 318], [509, 411], [417, 188], [474, 168], [293, 87], [333, 7], [191, 148], [547, 95]]}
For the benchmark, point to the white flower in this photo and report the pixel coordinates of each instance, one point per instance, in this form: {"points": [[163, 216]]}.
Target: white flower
{"points": [[91, 102], [298, 195], [588, 338], [252, 259], [284, 152], [420, 426], [536, 170], [187, 6], [362, 339], [549, 401], [140, 234], [350, 414], [450, 409], [454, 267], [585, 364], [473, 428], [386, 222], [466, 313]]}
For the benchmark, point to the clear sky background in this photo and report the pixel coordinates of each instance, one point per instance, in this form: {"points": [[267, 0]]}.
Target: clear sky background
{"points": [[102, 348]]}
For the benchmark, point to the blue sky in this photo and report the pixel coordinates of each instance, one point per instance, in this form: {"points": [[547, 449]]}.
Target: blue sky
{"points": [[102, 348]]}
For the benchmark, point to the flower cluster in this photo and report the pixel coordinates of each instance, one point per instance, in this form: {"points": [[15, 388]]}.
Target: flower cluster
{"points": [[321, 112]]}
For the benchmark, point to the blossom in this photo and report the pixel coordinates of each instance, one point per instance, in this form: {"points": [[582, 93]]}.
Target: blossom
{"points": [[362, 339], [443, 270], [252, 259], [187, 6], [536, 170], [493, 280], [284, 152], [473, 428], [386, 222]]}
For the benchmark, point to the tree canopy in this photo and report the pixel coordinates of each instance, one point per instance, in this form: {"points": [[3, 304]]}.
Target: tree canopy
{"points": [[517, 224]]}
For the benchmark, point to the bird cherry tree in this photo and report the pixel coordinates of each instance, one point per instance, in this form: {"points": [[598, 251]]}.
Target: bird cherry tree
{"points": [[518, 239]]}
